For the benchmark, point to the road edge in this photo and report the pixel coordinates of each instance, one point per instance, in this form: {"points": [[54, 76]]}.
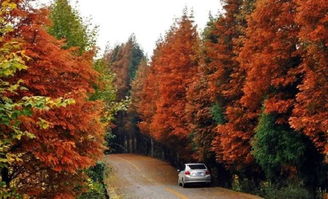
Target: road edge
{"points": [[111, 189]]}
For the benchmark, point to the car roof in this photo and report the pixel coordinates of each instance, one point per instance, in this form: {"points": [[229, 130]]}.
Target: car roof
{"points": [[195, 164]]}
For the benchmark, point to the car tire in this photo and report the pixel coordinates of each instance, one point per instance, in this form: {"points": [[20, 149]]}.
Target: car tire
{"points": [[184, 185]]}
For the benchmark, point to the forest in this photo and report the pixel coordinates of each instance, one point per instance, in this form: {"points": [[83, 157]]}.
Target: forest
{"points": [[247, 95]]}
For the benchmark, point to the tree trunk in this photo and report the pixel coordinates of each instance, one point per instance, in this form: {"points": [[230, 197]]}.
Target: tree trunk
{"points": [[134, 144], [126, 143], [151, 147], [5, 175], [131, 144]]}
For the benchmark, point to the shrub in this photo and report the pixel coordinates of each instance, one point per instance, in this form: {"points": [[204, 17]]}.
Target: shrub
{"points": [[97, 188], [290, 191]]}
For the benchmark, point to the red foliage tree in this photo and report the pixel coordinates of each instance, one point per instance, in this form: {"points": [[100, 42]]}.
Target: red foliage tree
{"points": [[123, 60], [53, 160], [177, 65], [137, 92], [144, 98], [118, 60], [310, 114], [199, 117], [163, 96], [269, 57], [220, 52], [201, 97], [226, 79]]}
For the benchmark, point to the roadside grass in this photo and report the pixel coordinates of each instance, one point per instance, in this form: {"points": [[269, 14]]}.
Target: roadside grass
{"points": [[110, 180]]}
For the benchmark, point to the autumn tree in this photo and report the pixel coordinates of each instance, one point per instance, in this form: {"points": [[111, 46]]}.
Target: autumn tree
{"points": [[200, 117], [269, 59], [11, 61], [172, 68], [73, 139], [138, 84], [265, 58], [132, 117], [145, 91], [310, 113], [14, 108], [80, 34], [257, 54], [225, 79], [124, 60]]}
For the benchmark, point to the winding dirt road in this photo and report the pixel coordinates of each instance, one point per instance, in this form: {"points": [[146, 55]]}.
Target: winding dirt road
{"points": [[140, 177]]}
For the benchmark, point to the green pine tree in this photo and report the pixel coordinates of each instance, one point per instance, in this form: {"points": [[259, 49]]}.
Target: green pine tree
{"points": [[275, 146]]}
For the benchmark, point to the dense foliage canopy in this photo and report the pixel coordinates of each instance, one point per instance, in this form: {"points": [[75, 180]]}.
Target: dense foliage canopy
{"points": [[208, 95], [248, 95]]}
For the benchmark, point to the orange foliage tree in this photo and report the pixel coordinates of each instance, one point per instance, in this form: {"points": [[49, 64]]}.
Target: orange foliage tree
{"points": [[199, 117], [269, 58], [262, 70], [226, 78], [123, 60], [171, 72], [201, 97], [53, 161], [310, 113], [265, 61], [177, 66], [145, 92], [137, 92]]}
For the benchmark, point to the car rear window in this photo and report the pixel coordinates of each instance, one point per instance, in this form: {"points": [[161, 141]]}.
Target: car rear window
{"points": [[197, 166]]}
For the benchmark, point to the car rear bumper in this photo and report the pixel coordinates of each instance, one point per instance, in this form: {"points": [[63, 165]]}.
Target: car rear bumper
{"points": [[203, 179]]}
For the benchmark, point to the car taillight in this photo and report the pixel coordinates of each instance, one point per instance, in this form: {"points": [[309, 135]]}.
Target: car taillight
{"points": [[207, 173], [187, 172]]}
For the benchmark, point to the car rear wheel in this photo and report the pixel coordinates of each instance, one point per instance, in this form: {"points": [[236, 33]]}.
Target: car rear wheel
{"points": [[183, 184]]}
